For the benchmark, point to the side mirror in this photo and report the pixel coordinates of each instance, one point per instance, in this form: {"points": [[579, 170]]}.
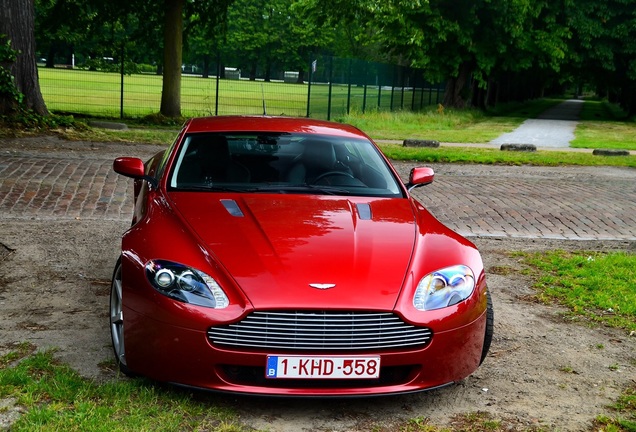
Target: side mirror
{"points": [[132, 167], [129, 167], [420, 176]]}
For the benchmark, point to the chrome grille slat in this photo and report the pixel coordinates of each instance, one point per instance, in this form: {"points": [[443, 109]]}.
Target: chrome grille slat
{"points": [[310, 330]]}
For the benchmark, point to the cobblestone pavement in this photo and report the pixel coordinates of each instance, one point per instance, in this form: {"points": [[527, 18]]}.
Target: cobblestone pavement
{"points": [[587, 203]]}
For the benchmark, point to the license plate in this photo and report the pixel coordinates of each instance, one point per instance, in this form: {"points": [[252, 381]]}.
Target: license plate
{"points": [[335, 367]]}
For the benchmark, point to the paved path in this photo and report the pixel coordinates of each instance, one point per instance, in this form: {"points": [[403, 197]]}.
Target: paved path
{"points": [[554, 128], [494, 201]]}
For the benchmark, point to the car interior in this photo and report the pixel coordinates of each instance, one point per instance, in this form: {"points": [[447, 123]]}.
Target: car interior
{"points": [[281, 159]]}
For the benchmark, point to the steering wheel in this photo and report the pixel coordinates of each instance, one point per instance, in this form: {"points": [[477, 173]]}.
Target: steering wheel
{"points": [[332, 173]]}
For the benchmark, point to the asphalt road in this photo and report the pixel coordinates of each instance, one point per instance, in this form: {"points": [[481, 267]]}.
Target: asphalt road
{"points": [[554, 128]]}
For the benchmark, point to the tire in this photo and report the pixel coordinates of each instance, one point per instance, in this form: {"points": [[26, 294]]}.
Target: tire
{"points": [[490, 328], [117, 321]]}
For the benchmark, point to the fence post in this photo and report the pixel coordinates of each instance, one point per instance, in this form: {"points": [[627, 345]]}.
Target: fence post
{"points": [[122, 71], [218, 77], [414, 79], [330, 87], [392, 89], [364, 97], [311, 77], [402, 84], [349, 89]]}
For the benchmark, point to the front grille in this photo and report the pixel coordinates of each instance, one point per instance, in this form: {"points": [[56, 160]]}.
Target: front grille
{"points": [[323, 331]]}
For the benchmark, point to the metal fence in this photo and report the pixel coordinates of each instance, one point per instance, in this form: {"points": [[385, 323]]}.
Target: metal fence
{"points": [[328, 88]]}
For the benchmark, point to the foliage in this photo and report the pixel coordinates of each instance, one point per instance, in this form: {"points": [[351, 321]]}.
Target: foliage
{"points": [[603, 51], [23, 120], [8, 56], [20, 117], [457, 40]]}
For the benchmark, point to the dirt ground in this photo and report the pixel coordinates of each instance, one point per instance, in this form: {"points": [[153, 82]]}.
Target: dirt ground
{"points": [[543, 369]]}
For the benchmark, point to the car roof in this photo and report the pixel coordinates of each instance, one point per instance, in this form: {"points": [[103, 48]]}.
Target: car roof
{"points": [[271, 124]]}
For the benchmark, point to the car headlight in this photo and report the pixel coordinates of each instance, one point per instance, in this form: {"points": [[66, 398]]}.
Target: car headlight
{"points": [[186, 284], [443, 288]]}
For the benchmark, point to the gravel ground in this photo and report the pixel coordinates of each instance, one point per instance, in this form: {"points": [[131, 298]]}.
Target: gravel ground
{"points": [[543, 369]]}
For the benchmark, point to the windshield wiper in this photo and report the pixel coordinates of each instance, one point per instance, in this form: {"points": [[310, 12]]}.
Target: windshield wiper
{"points": [[213, 188], [300, 188], [275, 188]]}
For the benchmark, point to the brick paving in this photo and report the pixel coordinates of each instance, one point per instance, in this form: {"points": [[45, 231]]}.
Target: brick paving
{"points": [[32, 187], [589, 203]]}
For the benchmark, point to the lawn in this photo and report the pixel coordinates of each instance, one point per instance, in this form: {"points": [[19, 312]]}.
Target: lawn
{"points": [[99, 94]]}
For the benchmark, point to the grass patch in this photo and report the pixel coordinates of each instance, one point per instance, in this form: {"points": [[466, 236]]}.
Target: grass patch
{"points": [[99, 94], [461, 126], [487, 156], [625, 408], [603, 126], [447, 125], [595, 285], [53, 397], [605, 135]]}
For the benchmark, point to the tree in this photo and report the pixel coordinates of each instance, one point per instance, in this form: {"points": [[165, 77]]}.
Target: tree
{"points": [[261, 32], [603, 48], [461, 40], [210, 12], [61, 25], [17, 26], [172, 56]]}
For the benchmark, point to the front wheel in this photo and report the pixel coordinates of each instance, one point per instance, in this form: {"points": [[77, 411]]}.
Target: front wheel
{"points": [[490, 328], [117, 320]]}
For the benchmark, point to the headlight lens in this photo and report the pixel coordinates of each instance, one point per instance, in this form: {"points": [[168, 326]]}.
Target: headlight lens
{"points": [[444, 288], [186, 284]]}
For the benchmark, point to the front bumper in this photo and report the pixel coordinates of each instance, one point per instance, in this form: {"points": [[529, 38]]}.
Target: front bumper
{"points": [[170, 353]]}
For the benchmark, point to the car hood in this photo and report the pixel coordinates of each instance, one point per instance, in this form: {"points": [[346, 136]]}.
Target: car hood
{"points": [[299, 251]]}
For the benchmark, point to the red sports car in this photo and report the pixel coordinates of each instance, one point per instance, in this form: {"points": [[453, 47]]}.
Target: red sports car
{"points": [[284, 256]]}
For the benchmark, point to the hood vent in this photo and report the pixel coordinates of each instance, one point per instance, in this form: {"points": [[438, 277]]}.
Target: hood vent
{"points": [[364, 211], [232, 207]]}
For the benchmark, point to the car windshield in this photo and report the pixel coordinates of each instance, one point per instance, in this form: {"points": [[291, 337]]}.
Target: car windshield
{"points": [[281, 163]]}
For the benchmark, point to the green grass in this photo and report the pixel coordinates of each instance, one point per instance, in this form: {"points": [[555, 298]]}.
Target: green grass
{"points": [[56, 398], [495, 156], [99, 94], [625, 409], [466, 126], [600, 288], [604, 126], [597, 286]]}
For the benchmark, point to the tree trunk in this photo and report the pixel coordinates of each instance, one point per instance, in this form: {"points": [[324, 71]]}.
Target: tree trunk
{"points": [[17, 24], [456, 93], [268, 69], [206, 66], [50, 58], [253, 71], [301, 76], [172, 56]]}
